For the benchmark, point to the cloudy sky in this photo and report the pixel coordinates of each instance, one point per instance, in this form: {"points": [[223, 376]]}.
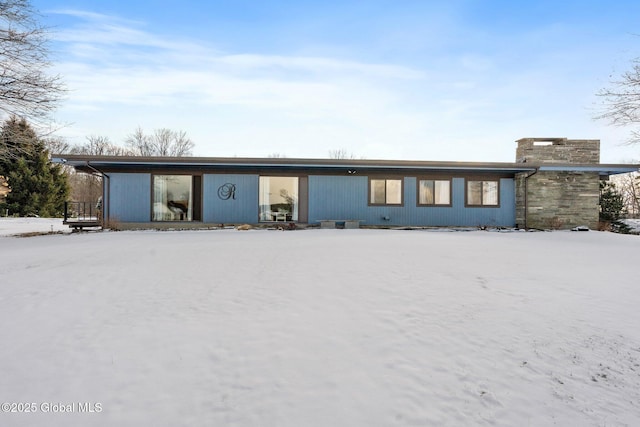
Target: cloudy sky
{"points": [[431, 80]]}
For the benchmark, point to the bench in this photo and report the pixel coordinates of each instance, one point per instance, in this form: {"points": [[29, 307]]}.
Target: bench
{"points": [[348, 223]]}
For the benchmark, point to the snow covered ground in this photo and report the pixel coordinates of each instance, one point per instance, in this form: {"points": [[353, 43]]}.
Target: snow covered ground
{"points": [[13, 226], [320, 328]]}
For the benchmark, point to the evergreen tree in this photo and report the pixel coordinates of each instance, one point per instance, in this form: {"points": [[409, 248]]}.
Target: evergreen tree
{"points": [[612, 208], [37, 186], [611, 202]]}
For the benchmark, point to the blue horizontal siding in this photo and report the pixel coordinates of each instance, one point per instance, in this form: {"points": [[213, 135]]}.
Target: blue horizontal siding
{"points": [[346, 197], [130, 197], [242, 209]]}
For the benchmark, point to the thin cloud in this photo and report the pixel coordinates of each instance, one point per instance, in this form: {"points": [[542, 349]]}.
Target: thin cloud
{"points": [[124, 39], [110, 64], [321, 65], [111, 31]]}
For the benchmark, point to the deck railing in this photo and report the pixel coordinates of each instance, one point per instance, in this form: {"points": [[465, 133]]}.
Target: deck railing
{"points": [[81, 211]]}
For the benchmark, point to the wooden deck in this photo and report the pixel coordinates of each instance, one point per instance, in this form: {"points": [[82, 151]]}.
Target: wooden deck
{"points": [[82, 224], [81, 215]]}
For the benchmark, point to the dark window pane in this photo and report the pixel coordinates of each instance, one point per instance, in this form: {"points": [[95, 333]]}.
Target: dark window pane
{"points": [[474, 192], [426, 192]]}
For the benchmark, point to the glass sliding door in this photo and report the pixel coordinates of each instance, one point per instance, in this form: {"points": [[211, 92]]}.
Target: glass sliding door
{"points": [[172, 198], [278, 198]]}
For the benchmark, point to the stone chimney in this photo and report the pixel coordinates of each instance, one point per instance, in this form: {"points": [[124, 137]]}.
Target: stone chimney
{"points": [[558, 150], [560, 198]]}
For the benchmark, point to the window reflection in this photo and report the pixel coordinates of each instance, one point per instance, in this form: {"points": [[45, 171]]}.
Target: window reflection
{"points": [[172, 198], [385, 192], [278, 198], [435, 192]]}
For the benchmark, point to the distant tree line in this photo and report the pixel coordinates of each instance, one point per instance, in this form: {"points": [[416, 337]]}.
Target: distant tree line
{"points": [[161, 142]]}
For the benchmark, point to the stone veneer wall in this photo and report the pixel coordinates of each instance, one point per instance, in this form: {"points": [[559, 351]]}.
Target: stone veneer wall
{"points": [[557, 200], [520, 183]]}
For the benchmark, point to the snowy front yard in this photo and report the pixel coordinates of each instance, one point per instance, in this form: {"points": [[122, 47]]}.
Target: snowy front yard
{"points": [[321, 328], [12, 226]]}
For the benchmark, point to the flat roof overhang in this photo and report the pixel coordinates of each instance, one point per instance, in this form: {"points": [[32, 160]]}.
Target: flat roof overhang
{"points": [[107, 164], [123, 164], [603, 169]]}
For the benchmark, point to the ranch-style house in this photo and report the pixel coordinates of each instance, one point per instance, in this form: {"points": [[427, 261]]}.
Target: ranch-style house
{"points": [[553, 183]]}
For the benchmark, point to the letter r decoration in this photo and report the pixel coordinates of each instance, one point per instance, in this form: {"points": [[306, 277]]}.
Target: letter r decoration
{"points": [[227, 191]]}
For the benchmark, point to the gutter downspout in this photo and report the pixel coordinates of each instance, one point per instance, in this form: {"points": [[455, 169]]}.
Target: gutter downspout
{"points": [[526, 196], [106, 201]]}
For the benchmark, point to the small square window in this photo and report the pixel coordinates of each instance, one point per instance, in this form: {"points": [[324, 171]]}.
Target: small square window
{"points": [[385, 192], [434, 192], [483, 193]]}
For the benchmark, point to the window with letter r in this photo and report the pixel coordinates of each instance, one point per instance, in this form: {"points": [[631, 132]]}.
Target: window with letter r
{"points": [[385, 191], [483, 193]]}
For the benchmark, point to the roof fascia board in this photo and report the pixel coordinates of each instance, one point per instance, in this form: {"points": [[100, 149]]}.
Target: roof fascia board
{"points": [[327, 164], [602, 168], [130, 162]]}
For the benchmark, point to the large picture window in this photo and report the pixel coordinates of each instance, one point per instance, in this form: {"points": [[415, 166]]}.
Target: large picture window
{"points": [[279, 198], [434, 192], [173, 198], [385, 192], [483, 193]]}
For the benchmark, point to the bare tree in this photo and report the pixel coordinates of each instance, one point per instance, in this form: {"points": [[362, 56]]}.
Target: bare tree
{"points": [[139, 144], [25, 89], [56, 145], [628, 186], [277, 156], [163, 142], [621, 101], [88, 187], [99, 146], [182, 144], [85, 187], [340, 153]]}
